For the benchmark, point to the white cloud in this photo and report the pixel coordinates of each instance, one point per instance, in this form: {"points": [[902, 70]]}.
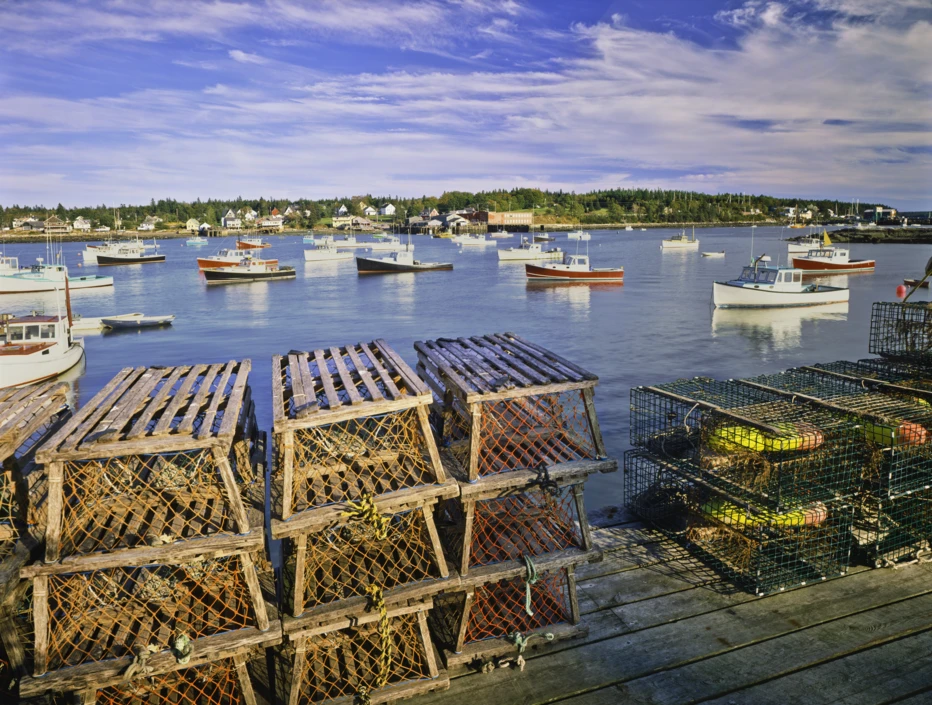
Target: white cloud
{"points": [[245, 58]]}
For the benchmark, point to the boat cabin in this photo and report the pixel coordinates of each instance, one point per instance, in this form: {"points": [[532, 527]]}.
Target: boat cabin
{"points": [[9, 264], [576, 261], [829, 254], [35, 330], [776, 278]]}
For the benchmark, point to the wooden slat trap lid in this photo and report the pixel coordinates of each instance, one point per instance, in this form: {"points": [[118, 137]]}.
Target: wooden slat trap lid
{"points": [[24, 411], [338, 383], [500, 365], [145, 410]]}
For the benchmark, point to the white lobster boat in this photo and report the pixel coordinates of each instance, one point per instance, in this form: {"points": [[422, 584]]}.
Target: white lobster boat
{"points": [[761, 286], [474, 241], [326, 253], [680, 242], [529, 251], [42, 277], [387, 243], [111, 247]]}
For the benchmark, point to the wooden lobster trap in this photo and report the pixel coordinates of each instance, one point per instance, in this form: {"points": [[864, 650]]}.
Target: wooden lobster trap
{"points": [[159, 457], [383, 655], [496, 520], [350, 426], [85, 626], [506, 404], [507, 609]]}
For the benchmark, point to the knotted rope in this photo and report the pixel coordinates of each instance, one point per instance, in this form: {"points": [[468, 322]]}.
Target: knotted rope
{"points": [[377, 601], [140, 663], [530, 578], [366, 511], [521, 641], [544, 481]]}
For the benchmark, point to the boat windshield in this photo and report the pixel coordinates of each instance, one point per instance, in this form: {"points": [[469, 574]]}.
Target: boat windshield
{"points": [[761, 276]]}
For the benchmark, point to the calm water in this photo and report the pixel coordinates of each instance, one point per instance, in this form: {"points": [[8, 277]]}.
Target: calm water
{"points": [[657, 327]]}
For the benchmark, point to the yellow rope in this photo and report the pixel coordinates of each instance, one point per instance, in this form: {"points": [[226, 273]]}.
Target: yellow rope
{"points": [[365, 510], [377, 601]]}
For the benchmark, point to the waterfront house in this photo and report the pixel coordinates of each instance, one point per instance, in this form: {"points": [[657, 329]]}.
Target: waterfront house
{"points": [[248, 214], [231, 221], [33, 224], [427, 214], [191, 225], [876, 214], [56, 226], [387, 209], [342, 210], [502, 218], [271, 221], [81, 223], [18, 222], [146, 226], [369, 211]]}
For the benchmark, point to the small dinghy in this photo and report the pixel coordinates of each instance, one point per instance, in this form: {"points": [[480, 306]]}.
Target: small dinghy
{"points": [[136, 320], [714, 254], [917, 283]]}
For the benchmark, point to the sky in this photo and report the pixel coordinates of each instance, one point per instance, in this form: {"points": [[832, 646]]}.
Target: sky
{"points": [[120, 101]]}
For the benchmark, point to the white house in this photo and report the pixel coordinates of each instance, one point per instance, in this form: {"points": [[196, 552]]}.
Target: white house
{"points": [[191, 225], [231, 221], [387, 209], [146, 226], [81, 223], [248, 214], [369, 211], [342, 210], [271, 221]]}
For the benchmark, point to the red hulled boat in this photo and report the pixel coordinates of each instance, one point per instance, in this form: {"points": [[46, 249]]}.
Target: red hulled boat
{"points": [[831, 260]]}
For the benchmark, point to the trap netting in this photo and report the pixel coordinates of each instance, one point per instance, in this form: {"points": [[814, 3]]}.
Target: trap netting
{"points": [[355, 662], [104, 614], [344, 561], [373, 454], [215, 683], [531, 522], [147, 500], [522, 433], [895, 427], [883, 370], [760, 550], [902, 331], [888, 530], [755, 444]]}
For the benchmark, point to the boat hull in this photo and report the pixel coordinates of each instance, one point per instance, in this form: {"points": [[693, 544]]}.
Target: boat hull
{"points": [[684, 245], [917, 283], [137, 322], [110, 260], [204, 263], [809, 266], [369, 265], [725, 295], [217, 276], [27, 364], [27, 284], [243, 245], [537, 273]]}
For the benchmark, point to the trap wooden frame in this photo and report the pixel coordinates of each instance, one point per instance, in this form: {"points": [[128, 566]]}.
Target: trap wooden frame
{"points": [[154, 411], [466, 374], [353, 383]]}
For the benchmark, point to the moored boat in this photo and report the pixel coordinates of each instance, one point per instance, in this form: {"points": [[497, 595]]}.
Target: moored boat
{"points": [[311, 239], [803, 245], [474, 241], [42, 277], [252, 243], [92, 252], [248, 271], [501, 235], [574, 268], [714, 254], [136, 320], [388, 243], [680, 242], [543, 237], [326, 253], [402, 261], [528, 251], [831, 260], [764, 286], [227, 257], [576, 235], [196, 241], [917, 283]]}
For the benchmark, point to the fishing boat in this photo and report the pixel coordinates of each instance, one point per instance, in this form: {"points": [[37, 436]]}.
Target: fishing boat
{"points": [[388, 243], [92, 252], [629, 228], [248, 271], [252, 243], [136, 320], [680, 242], [326, 253], [42, 277], [227, 257], [401, 261], [528, 251], [576, 235], [831, 260], [574, 268], [765, 286], [543, 237], [803, 245], [917, 283], [501, 235], [349, 241], [37, 347], [713, 254], [311, 239], [196, 241], [129, 253], [475, 241]]}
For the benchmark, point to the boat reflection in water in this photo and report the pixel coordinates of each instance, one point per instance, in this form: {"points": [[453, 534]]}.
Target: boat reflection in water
{"points": [[574, 296], [782, 327]]}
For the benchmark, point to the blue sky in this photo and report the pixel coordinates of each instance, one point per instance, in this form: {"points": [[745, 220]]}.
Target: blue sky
{"points": [[108, 101]]}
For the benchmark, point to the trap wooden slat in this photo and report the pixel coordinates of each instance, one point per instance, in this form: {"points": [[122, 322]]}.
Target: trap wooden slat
{"points": [[139, 428], [24, 411]]}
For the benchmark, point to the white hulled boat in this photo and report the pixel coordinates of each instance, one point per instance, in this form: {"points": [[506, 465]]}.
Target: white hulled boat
{"points": [[576, 235], [474, 241], [311, 239], [575, 268], [680, 242], [42, 277], [764, 286], [326, 253], [388, 243], [501, 235], [528, 251], [91, 252], [228, 257], [252, 243]]}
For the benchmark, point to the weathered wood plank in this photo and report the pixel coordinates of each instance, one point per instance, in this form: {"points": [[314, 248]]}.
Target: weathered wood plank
{"points": [[216, 399], [414, 383], [349, 385], [310, 390], [386, 378], [323, 372], [364, 375], [139, 428], [186, 424], [235, 402], [278, 393], [96, 413], [126, 406], [551, 356], [163, 425]]}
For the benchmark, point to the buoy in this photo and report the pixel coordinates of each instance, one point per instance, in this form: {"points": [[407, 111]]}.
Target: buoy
{"points": [[901, 291]]}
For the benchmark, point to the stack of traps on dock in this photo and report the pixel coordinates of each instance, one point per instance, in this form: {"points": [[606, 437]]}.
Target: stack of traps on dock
{"points": [[151, 515], [518, 431], [781, 480]]}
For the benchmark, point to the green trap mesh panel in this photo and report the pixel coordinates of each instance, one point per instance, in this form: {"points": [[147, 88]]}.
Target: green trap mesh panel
{"points": [[902, 331], [342, 562], [212, 684], [374, 454], [755, 444], [348, 663], [888, 531], [883, 370], [760, 550], [147, 500]]}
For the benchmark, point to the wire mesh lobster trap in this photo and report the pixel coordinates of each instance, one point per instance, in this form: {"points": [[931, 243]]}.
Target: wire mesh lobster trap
{"points": [[881, 370], [759, 445], [161, 455], [893, 531], [758, 549], [383, 656], [108, 615], [507, 405], [902, 331], [350, 424], [895, 422]]}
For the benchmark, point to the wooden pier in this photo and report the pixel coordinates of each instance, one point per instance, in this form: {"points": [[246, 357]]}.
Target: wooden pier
{"points": [[662, 628]]}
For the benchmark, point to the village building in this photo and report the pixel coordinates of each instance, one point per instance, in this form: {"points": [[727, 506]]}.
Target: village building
{"points": [[879, 214], [146, 226], [56, 226], [271, 221], [427, 214], [387, 209], [342, 210], [81, 223], [33, 224], [353, 221], [192, 225], [502, 218], [248, 214], [369, 211], [231, 221]]}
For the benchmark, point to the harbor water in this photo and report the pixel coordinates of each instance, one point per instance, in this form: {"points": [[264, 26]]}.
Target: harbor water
{"points": [[658, 326]]}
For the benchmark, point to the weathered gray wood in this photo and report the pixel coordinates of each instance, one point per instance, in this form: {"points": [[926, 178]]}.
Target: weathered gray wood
{"points": [[278, 394], [139, 427], [235, 402], [163, 425], [424, 422], [310, 389], [298, 396], [237, 509], [54, 510], [286, 458], [126, 406], [572, 471], [580, 503], [40, 620], [428, 644], [255, 590], [20, 421], [439, 560], [300, 567], [594, 427], [345, 377], [186, 425], [386, 378], [475, 440], [98, 412], [217, 398], [364, 375], [358, 620], [245, 682], [549, 355], [323, 374], [414, 383]]}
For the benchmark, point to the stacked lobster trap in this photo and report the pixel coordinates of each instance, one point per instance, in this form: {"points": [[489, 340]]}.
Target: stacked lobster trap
{"points": [[759, 484], [356, 476], [519, 432], [154, 544]]}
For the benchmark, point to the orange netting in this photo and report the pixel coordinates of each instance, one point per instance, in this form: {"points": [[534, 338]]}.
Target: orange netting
{"points": [[141, 500], [346, 663], [523, 433], [104, 614], [498, 609], [211, 684], [373, 454], [342, 562], [531, 523]]}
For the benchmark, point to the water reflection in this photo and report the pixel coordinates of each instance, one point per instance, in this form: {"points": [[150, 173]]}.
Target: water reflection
{"points": [[773, 328], [248, 296], [576, 296]]}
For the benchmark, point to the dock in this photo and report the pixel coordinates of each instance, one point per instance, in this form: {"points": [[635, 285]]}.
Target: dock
{"points": [[665, 629]]}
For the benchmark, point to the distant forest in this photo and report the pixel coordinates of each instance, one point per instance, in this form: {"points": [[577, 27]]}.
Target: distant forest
{"points": [[595, 207]]}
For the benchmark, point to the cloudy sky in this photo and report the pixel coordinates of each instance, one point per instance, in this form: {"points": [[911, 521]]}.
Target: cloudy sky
{"points": [[121, 101]]}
